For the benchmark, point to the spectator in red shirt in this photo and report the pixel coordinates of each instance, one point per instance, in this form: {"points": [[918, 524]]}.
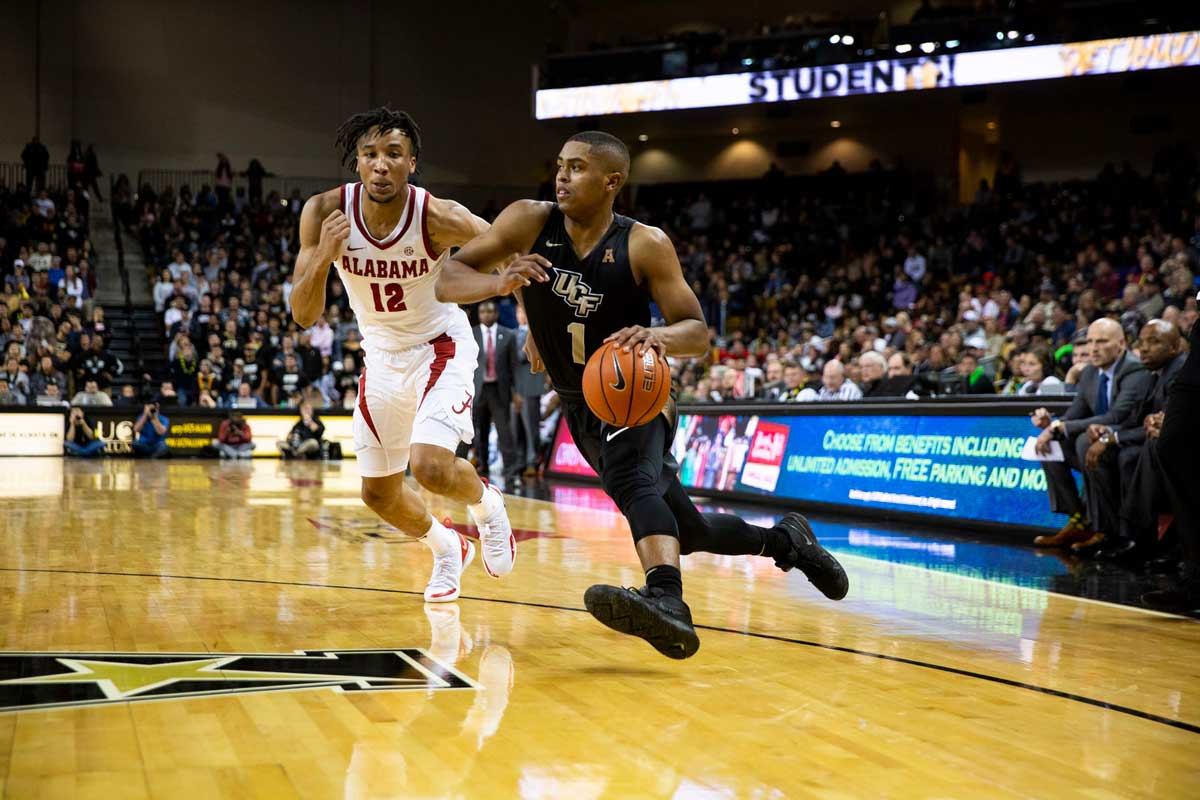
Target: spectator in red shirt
{"points": [[234, 437]]}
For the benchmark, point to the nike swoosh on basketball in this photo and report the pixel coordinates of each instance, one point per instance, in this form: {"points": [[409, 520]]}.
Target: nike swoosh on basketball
{"points": [[620, 384], [615, 434]]}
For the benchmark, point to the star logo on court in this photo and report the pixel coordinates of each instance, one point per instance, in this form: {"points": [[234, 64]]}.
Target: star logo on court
{"points": [[58, 679]]}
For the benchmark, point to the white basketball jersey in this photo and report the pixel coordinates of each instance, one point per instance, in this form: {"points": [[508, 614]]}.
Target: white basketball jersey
{"points": [[390, 282]]}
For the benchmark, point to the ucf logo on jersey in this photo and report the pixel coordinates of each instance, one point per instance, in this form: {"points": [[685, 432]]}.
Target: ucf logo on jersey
{"points": [[570, 287]]}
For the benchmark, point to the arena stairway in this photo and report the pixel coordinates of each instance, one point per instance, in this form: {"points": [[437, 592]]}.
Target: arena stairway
{"points": [[128, 304], [137, 340]]}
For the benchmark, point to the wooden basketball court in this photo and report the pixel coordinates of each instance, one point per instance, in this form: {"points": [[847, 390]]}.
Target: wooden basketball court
{"points": [[204, 629]]}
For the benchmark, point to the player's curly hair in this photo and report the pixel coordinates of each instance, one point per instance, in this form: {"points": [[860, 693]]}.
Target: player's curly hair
{"points": [[383, 119]]}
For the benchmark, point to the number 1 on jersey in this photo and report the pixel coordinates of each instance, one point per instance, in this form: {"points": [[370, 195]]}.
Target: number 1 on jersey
{"points": [[578, 350], [395, 297]]}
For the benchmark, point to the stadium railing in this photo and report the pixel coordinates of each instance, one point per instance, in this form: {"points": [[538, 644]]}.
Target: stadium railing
{"points": [[13, 172], [160, 179]]}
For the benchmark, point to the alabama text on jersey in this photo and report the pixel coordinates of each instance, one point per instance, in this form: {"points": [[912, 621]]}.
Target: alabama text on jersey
{"points": [[390, 282]]}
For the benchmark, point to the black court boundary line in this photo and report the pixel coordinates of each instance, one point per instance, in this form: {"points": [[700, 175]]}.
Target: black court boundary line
{"points": [[1133, 712]]}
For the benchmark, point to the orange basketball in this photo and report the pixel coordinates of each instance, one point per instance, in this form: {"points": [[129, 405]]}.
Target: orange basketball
{"points": [[625, 389]]}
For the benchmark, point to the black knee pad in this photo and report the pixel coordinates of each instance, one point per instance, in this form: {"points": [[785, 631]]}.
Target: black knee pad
{"points": [[648, 515], [642, 505]]}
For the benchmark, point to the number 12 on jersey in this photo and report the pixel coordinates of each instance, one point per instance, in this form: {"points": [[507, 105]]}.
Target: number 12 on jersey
{"points": [[395, 297]]}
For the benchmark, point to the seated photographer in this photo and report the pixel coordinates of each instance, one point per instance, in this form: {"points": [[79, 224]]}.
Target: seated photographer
{"points": [[81, 439], [304, 440], [151, 430], [1108, 392], [234, 437]]}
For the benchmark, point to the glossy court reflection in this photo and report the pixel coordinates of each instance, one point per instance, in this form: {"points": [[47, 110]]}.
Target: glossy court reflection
{"points": [[950, 669]]}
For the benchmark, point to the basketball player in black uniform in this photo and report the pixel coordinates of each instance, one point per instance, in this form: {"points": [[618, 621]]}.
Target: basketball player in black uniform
{"points": [[586, 276]]}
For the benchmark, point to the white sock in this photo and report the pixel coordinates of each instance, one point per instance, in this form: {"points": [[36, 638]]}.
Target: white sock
{"points": [[440, 539], [487, 505]]}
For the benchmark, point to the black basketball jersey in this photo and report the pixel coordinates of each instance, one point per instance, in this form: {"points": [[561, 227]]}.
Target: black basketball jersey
{"points": [[584, 301]]}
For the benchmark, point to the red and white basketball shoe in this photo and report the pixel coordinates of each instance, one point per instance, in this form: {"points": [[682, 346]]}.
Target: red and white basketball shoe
{"points": [[496, 540], [444, 583]]}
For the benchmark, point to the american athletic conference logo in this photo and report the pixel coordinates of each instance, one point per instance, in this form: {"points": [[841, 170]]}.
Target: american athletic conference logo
{"points": [[570, 287]]}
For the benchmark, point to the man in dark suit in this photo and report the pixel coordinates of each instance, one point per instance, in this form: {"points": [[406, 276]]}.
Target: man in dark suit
{"points": [[1108, 392], [1177, 450], [493, 386], [527, 404], [1124, 476]]}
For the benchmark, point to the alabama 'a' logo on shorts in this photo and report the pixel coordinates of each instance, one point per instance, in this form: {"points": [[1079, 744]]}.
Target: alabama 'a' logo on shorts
{"points": [[570, 287]]}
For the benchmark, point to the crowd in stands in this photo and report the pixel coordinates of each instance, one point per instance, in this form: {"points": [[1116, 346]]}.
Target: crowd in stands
{"points": [[846, 292], [55, 337], [993, 297], [829, 287], [223, 278]]}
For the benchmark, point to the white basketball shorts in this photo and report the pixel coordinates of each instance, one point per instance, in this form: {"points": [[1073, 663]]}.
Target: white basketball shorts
{"points": [[419, 395]]}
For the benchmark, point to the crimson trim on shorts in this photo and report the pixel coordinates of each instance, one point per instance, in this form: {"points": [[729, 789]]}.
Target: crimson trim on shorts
{"points": [[425, 227], [362, 405], [443, 351], [362, 226]]}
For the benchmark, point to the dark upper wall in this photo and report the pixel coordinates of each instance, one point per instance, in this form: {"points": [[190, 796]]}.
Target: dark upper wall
{"points": [[169, 84]]}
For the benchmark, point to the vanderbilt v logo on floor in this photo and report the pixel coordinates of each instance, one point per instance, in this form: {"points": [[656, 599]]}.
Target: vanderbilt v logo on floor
{"points": [[47, 680]]}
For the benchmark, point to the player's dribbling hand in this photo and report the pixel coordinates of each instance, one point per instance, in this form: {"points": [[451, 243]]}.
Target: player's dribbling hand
{"points": [[335, 230], [522, 271], [636, 337], [534, 358]]}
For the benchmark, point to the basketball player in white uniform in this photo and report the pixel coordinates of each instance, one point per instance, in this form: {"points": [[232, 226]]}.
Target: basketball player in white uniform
{"points": [[387, 241]]}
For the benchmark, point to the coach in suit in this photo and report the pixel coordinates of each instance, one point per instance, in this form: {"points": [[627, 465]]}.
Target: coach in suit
{"points": [[1124, 474], [1177, 437], [527, 405], [493, 386], [1108, 392]]}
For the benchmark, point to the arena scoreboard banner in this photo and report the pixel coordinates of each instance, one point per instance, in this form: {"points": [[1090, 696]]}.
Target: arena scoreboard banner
{"points": [[192, 430], [31, 434], [925, 461], [41, 432], [890, 75]]}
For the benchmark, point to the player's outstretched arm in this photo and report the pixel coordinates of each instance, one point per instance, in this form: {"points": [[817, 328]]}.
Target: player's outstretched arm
{"points": [[469, 275], [324, 230], [656, 266]]}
